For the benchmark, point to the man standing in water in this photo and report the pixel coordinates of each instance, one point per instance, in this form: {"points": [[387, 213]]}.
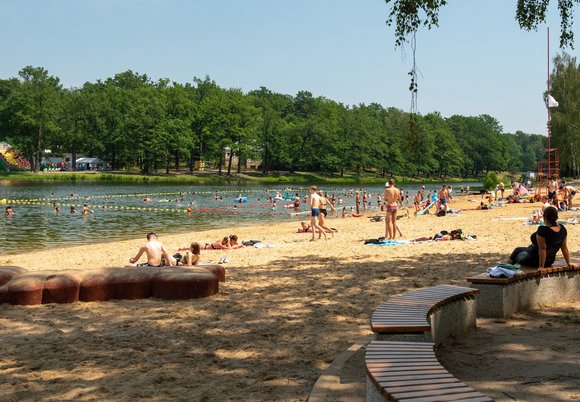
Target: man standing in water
{"points": [[315, 205], [392, 198]]}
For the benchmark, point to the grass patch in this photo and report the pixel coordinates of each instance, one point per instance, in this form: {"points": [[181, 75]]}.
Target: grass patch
{"points": [[215, 178]]}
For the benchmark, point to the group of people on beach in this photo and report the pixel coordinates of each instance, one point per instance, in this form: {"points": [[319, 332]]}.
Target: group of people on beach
{"points": [[158, 256]]}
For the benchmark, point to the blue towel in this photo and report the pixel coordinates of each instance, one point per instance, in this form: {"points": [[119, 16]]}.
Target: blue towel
{"points": [[390, 243]]}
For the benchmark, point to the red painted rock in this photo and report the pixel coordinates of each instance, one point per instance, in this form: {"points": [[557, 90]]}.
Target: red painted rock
{"points": [[62, 287], [217, 270], [25, 289], [132, 283], [96, 285], [180, 283], [9, 272]]}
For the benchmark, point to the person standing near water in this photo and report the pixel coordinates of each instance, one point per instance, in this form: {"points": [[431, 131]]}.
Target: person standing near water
{"points": [[315, 205], [392, 198]]}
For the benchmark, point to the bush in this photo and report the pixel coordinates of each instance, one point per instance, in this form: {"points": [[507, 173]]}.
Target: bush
{"points": [[490, 180]]}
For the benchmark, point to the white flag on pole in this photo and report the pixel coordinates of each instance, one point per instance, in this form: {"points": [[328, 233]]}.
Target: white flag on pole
{"points": [[552, 102]]}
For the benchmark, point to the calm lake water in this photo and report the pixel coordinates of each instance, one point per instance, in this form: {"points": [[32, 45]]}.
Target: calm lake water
{"points": [[120, 212]]}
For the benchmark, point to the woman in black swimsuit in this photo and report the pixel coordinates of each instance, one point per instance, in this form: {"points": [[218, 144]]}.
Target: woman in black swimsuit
{"points": [[546, 242]]}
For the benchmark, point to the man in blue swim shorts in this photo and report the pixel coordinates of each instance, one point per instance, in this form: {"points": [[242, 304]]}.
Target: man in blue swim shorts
{"points": [[315, 204]]}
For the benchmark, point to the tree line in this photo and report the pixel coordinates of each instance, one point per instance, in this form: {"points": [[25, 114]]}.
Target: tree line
{"points": [[131, 121]]}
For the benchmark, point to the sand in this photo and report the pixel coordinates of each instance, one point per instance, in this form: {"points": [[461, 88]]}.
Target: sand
{"points": [[282, 316]]}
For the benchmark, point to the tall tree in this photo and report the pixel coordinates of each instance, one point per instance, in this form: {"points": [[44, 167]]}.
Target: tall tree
{"points": [[565, 80], [35, 103]]}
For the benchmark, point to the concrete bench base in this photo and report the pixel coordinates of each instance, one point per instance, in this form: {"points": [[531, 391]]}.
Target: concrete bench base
{"points": [[502, 298]]}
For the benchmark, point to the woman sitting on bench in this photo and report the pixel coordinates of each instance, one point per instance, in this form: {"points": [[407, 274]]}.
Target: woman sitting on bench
{"points": [[546, 242]]}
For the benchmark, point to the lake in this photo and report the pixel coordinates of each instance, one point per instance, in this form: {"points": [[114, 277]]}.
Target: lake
{"points": [[119, 210]]}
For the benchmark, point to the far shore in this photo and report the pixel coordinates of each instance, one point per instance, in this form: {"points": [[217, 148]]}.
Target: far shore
{"points": [[214, 177]]}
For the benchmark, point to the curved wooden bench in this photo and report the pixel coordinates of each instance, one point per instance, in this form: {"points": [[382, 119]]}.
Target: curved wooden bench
{"points": [[501, 297], [410, 372], [426, 315], [67, 286]]}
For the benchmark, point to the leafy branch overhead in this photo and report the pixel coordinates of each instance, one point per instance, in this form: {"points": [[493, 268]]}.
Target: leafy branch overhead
{"points": [[409, 15]]}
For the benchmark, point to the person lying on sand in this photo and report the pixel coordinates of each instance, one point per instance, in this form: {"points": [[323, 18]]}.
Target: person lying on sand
{"points": [[190, 257], [304, 228], [157, 255], [227, 243]]}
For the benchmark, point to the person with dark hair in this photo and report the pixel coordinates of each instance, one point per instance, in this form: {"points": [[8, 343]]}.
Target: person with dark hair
{"points": [[546, 242], [157, 255], [9, 212], [190, 257]]}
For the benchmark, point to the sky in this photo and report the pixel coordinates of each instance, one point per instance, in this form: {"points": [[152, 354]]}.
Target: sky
{"points": [[478, 61]]}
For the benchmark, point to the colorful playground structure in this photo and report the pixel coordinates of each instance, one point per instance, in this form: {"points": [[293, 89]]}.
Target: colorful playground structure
{"points": [[11, 158]]}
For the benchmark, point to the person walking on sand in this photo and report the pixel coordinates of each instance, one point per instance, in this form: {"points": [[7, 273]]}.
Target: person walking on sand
{"points": [[392, 198], [157, 255], [323, 213], [357, 202], [315, 205]]}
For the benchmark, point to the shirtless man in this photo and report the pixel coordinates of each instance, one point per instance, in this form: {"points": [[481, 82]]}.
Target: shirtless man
{"points": [[392, 198], [155, 251], [315, 205], [443, 197]]}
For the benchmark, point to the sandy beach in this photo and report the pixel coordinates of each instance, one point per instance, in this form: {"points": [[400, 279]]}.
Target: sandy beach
{"points": [[282, 316]]}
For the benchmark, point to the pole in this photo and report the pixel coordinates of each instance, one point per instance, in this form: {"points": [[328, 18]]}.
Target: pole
{"points": [[549, 116]]}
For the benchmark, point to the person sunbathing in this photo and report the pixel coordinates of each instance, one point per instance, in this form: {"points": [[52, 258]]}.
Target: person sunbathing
{"points": [[546, 242], [227, 243], [190, 257], [304, 228]]}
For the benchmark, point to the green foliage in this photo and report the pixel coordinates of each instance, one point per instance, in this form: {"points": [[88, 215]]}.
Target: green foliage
{"points": [[140, 125], [490, 180], [409, 15], [565, 80]]}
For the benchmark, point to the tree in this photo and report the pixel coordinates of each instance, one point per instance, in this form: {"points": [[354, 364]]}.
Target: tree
{"points": [[409, 15], [35, 104], [565, 80]]}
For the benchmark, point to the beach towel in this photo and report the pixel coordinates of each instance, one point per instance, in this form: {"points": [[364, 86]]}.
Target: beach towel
{"points": [[387, 243]]}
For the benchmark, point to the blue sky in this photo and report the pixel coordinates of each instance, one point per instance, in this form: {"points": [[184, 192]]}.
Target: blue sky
{"points": [[478, 61]]}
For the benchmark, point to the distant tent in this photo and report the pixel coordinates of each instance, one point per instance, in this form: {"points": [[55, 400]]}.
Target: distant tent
{"points": [[90, 164]]}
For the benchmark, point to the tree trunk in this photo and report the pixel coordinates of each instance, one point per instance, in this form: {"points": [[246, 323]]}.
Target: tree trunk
{"points": [[37, 156], [230, 163], [167, 163], [191, 160], [177, 161]]}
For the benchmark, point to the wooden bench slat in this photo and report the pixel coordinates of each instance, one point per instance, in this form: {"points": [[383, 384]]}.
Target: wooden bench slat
{"points": [[394, 344], [467, 397], [384, 381], [421, 381], [429, 388], [397, 354], [434, 392], [377, 369], [394, 375]]}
